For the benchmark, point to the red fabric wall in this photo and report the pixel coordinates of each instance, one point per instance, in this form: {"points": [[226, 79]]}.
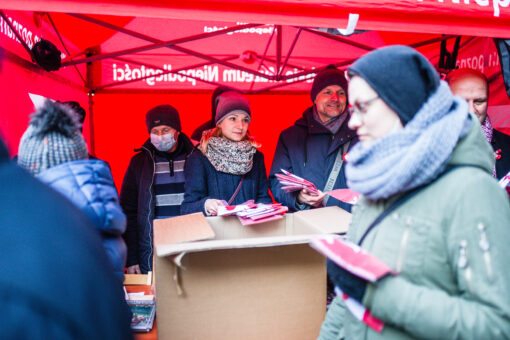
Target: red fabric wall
{"points": [[119, 120], [16, 82]]}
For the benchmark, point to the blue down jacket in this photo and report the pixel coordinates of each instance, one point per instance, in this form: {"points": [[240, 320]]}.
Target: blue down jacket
{"points": [[89, 185]]}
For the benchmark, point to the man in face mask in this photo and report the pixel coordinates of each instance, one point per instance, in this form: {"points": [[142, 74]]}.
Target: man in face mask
{"points": [[153, 186]]}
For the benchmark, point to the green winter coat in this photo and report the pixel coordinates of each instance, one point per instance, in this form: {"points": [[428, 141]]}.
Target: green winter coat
{"points": [[436, 295]]}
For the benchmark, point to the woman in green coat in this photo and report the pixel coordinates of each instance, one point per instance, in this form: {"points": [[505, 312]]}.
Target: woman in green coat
{"points": [[423, 162]]}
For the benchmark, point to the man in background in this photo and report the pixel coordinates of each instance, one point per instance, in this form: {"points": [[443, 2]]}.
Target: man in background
{"points": [[473, 86]]}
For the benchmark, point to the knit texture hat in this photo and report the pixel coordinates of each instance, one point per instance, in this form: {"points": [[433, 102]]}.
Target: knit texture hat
{"points": [[53, 137], [163, 115], [214, 99], [231, 102], [401, 76], [78, 109], [327, 77]]}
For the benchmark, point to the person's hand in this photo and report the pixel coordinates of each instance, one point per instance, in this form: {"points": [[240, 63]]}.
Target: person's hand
{"points": [[314, 200], [134, 269], [211, 206], [350, 284]]}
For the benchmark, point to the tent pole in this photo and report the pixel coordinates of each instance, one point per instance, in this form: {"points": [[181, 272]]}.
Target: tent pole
{"points": [[92, 134], [278, 51], [178, 48], [290, 50], [155, 45], [263, 57], [340, 39], [64, 45]]}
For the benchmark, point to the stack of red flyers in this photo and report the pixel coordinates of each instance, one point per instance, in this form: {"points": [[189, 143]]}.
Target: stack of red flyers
{"points": [[504, 183], [262, 213], [227, 210], [291, 182], [250, 213], [359, 262]]}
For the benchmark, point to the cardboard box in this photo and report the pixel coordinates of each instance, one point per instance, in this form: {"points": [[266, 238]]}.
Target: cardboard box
{"points": [[247, 282]]}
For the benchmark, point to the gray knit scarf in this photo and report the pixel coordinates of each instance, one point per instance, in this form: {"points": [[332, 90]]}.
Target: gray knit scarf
{"points": [[231, 157], [413, 156], [334, 124]]}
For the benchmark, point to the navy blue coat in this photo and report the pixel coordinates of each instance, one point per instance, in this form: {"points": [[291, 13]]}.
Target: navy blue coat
{"points": [[56, 281], [203, 181], [89, 185], [308, 150]]}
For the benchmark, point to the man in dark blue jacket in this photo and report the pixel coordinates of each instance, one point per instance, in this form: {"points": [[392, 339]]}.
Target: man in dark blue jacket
{"points": [[314, 147], [56, 280], [153, 186], [472, 85]]}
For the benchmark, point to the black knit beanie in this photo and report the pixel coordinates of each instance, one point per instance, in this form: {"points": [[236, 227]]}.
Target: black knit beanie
{"points": [[401, 76], [327, 77], [163, 115]]}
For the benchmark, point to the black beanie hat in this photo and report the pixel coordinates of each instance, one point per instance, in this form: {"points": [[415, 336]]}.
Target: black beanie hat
{"points": [[163, 115], [402, 77], [327, 77]]}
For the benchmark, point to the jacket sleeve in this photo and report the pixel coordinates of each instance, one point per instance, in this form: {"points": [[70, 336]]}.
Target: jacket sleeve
{"points": [[129, 204], [480, 308], [332, 327], [262, 187], [195, 185], [281, 160]]}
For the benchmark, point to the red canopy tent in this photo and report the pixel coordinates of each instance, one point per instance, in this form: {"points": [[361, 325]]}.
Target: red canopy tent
{"points": [[123, 57]]}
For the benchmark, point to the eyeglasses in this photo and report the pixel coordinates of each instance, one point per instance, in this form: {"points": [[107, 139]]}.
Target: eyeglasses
{"points": [[361, 107]]}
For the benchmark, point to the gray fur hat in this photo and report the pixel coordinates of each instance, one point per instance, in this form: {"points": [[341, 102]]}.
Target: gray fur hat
{"points": [[53, 137]]}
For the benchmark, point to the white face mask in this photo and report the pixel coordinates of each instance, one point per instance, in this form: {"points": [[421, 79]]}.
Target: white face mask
{"points": [[164, 142]]}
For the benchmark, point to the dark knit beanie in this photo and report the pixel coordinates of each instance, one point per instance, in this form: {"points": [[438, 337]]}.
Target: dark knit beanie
{"points": [[327, 77], [78, 109], [402, 77], [231, 102], [163, 115], [53, 137], [214, 100]]}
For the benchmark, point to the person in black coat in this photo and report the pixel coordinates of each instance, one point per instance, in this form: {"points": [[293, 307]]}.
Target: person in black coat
{"points": [[56, 280], [227, 168], [315, 143], [153, 185], [472, 85]]}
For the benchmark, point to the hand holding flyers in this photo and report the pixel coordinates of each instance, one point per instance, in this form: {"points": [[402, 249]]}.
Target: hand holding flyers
{"points": [[291, 182], [358, 262]]}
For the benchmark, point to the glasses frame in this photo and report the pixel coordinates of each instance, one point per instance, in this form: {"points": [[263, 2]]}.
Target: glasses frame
{"points": [[362, 107]]}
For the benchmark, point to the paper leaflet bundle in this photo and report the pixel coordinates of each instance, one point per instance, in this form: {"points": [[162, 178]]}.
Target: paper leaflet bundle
{"points": [[360, 312], [357, 261], [250, 213], [291, 182], [504, 183]]}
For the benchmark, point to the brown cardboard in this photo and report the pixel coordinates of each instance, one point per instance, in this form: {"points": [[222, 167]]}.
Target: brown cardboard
{"points": [[182, 229], [255, 282]]}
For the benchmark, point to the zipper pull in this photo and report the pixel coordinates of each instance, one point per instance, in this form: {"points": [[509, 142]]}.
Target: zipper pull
{"points": [[463, 264], [484, 247]]}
